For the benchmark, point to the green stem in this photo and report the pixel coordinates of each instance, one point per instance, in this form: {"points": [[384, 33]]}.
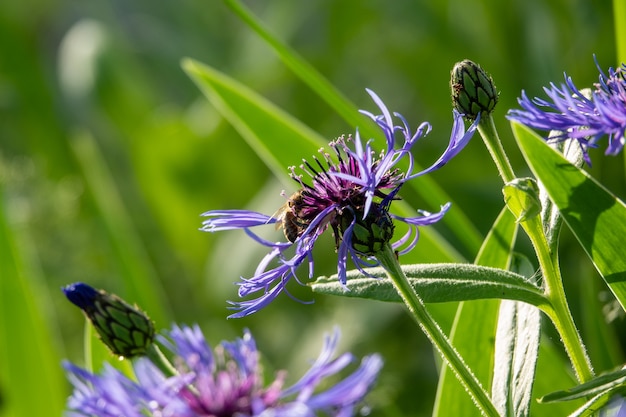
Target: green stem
{"points": [[557, 309], [158, 358], [429, 326], [487, 129]]}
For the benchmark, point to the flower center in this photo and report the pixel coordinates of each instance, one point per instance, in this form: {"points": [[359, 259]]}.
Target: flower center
{"points": [[369, 234]]}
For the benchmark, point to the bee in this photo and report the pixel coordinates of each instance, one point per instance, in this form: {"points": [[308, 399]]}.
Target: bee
{"points": [[287, 216]]}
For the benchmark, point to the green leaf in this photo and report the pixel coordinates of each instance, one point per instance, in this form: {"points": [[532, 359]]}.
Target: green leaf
{"points": [[553, 373], [31, 379], [596, 217], [474, 326], [516, 352], [619, 15], [437, 283], [600, 335], [597, 385], [141, 281], [278, 138], [591, 407]]}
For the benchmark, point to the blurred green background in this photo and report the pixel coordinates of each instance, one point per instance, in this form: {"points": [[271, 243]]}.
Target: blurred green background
{"points": [[109, 154]]}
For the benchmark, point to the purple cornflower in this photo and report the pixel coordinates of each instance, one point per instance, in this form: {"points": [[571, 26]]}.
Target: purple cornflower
{"points": [[350, 193], [225, 382], [575, 115]]}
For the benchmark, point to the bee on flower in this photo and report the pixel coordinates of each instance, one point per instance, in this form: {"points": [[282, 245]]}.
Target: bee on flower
{"points": [[350, 191]]}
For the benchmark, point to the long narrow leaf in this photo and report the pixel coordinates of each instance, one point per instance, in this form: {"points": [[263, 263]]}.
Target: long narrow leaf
{"points": [[619, 15], [551, 366], [516, 355], [595, 404], [597, 385], [437, 283], [596, 217], [31, 380], [278, 138], [139, 277], [475, 325], [516, 352]]}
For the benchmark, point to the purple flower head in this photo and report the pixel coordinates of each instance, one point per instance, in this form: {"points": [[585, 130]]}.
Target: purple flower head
{"points": [[586, 118], [227, 381], [349, 191]]}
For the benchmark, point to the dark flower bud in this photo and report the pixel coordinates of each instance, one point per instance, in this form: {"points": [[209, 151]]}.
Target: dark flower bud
{"points": [[473, 90], [371, 233], [125, 329]]}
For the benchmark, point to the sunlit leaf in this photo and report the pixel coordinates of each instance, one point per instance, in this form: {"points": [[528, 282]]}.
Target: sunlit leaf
{"points": [[437, 283], [602, 402], [596, 217], [516, 352], [597, 385]]}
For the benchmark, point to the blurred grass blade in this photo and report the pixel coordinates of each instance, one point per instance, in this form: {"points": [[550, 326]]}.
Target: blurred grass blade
{"points": [[31, 379], [136, 271], [320, 85], [516, 352], [281, 140], [437, 283], [424, 186], [474, 326], [619, 15], [601, 335], [596, 217]]}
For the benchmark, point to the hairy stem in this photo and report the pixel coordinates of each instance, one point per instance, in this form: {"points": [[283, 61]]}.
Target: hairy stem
{"points": [[434, 333]]}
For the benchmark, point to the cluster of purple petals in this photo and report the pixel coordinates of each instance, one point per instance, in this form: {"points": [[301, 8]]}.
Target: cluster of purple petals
{"points": [[226, 381], [355, 174], [573, 114]]}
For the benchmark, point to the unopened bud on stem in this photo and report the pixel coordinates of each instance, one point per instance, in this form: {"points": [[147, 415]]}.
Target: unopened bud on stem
{"points": [[473, 90], [125, 329]]}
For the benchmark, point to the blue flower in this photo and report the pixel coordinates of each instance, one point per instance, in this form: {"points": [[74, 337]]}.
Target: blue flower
{"points": [[573, 114], [226, 381], [347, 193]]}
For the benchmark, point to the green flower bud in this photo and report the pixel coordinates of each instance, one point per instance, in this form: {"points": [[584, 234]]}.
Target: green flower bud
{"points": [[125, 329], [473, 90], [371, 233], [522, 197]]}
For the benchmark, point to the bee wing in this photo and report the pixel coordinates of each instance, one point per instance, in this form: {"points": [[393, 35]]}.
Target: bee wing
{"points": [[279, 215]]}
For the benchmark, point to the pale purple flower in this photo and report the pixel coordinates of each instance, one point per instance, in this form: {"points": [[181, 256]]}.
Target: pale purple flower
{"points": [[225, 382], [571, 114], [353, 187]]}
